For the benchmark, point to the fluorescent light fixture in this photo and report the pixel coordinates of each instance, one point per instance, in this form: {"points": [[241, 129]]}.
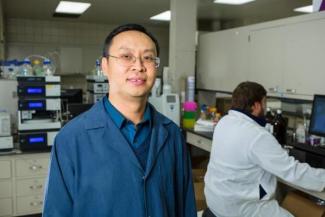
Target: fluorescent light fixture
{"points": [[306, 9], [68, 7], [164, 16], [232, 2]]}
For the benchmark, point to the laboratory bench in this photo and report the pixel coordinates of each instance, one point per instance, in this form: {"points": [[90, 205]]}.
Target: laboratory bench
{"points": [[315, 156]]}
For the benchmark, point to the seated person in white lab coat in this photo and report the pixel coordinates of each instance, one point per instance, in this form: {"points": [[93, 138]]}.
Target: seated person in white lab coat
{"points": [[246, 160]]}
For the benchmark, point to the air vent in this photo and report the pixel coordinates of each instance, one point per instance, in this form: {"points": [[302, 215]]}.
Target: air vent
{"points": [[66, 15]]}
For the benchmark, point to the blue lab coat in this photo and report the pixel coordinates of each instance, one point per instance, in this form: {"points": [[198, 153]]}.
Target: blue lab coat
{"points": [[94, 171]]}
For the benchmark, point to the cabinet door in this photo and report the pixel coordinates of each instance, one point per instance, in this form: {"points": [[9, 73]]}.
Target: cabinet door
{"points": [[304, 58], [266, 58], [25, 187], [5, 189], [222, 59], [29, 205], [31, 167], [5, 168], [6, 207]]}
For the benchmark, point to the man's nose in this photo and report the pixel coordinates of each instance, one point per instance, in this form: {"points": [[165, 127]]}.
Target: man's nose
{"points": [[138, 64]]}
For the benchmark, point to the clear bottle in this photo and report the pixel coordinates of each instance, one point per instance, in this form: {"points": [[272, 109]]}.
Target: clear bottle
{"points": [[48, 69], [26, 68], [98, 69], [37, 68], [269, 120], [301, 133], [16, 70], [280, 127]]}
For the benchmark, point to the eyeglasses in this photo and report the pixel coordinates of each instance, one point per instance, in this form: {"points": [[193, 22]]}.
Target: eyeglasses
{"points": [[128, 60]]}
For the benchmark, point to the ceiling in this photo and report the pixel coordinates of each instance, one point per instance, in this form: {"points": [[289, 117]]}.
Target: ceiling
{"points": [[139, 11]]}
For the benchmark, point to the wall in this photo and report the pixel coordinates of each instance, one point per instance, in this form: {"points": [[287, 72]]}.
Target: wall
{"points": [[26, 37], [1, 32]]}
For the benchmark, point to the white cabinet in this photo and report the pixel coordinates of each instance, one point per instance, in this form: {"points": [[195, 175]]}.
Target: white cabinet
{"points": [[5, 207], [29, 205], [286, 56], [30, 186], [222, 59], [266, 62], [31, 166], [288, 59], [22, 181], [199, 141], [5, 168], [6, 187], [304, 58]]}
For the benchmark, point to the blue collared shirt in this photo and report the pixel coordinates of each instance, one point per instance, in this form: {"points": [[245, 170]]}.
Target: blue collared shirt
{"points": [[136, 135]]}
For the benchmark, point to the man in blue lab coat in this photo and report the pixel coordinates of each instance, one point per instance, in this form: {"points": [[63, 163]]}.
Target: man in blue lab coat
{"points": [[122, 158]]}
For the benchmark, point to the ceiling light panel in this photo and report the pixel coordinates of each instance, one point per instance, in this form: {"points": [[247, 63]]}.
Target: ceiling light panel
{"points": [[164, 16], [306, 9], [72, 7], [233, 2]]}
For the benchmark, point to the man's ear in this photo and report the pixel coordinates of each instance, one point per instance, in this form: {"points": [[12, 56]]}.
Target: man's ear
{"points": [[104, 65], [256, 108]]}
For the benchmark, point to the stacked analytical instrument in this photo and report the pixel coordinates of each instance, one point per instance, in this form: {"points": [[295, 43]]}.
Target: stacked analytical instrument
{"points": [[39, 111], [6, 140], [166, 103], [97, 87]]}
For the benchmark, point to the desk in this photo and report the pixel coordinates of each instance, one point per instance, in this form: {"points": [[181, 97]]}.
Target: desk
{"points": [[203, 140]]}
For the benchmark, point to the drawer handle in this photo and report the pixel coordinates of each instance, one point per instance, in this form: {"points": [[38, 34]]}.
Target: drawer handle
{"points": [[273, 89], [199, 141], [36, 203], [35, 167], [291, 90], [36, 187]]}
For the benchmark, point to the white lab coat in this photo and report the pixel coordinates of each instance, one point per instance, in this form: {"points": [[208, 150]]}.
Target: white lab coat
{"points": [[243, 156]]}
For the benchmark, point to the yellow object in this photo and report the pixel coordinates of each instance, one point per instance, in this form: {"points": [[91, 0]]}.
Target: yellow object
{"points": [[188, 123], [36, 62], [212, 109]]}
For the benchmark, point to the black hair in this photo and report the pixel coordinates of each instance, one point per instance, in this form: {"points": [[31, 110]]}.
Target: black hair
{"points": [[246, 94], [124, 28]]}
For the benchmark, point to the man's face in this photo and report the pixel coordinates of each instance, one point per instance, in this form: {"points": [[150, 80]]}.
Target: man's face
{"points": [[136, 78]]}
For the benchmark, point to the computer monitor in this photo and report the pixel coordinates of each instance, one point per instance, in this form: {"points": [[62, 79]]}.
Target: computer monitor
{"points": [[71, 95], [317, 120], [76, 109]]}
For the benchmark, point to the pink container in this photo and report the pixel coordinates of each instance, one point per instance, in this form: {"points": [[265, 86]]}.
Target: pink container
{"points": [[189, 106]]}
